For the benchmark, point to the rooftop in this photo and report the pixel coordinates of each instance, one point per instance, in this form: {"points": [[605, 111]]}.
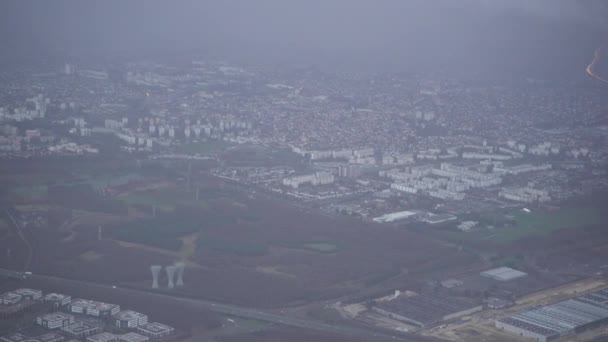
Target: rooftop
{"points": [[503, 273]]}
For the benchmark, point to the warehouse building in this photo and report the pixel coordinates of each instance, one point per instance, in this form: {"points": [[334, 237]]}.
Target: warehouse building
{"points": [[129, 319], [57, 300], [425, 310], [503, 274], [525, 329], [55, 320], [566, 317], [81, 330], [93, 308], [155, 330]]}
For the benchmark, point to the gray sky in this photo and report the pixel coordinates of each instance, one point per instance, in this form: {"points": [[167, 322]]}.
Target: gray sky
{"points": [[371, 32]]}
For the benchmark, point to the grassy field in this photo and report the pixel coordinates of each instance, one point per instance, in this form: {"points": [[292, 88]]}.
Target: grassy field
{"points": [[203, 148], [233, 246], [322, 247], [4, 229], [163, 197], [164, 231], [536, 223], [31, 193], [546, 222], [314, 246]]}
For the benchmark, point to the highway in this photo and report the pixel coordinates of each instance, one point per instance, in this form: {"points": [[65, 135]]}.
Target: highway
{"points": [[237, 311]]}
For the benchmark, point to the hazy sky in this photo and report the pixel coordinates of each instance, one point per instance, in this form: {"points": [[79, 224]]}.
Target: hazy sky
{"points": [[373, 32]]}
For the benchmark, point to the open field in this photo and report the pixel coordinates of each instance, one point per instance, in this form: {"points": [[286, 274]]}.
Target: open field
{"points": [[4, 229], [203, 148], [520, 225], [540, 223], [243, 250]]}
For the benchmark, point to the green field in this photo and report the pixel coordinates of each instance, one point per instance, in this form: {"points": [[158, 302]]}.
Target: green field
{"points": [[546, 222], [31, 193], [536, 223], [163, 231], [163, 197], [4, 229], [233, 246], [203, 148], [314, 246], [322, 247]]}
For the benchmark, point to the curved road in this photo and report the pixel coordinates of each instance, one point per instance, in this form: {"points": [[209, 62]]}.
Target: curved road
{"points": [[243, 312], [597, 55]]}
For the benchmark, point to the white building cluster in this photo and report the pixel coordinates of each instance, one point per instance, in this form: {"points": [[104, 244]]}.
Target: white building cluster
{"points": [[447, 182], [522, 168], [525, 195], [34, 108], [354, 156], [93, 308], [317, 178]]}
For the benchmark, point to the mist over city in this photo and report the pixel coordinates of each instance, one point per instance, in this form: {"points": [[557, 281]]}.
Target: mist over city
{"points": [[285, 170]]}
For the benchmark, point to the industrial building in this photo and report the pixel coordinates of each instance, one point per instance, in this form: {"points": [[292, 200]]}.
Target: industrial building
{"points": [[564, 318], [155, 330], [55, 320], [425, 310], [93, 308], [503, 274], [57, 300], [129, 319], [81, 330]]}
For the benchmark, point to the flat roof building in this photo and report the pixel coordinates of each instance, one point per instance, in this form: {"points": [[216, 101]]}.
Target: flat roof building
{"points": [[57, 300], [55, 320], [551, 321], [133, 337], [129, 319], [28, 294], [93, 308], [425, 310], [155, 330], [103, 337], [19, 337], [503, 274], [81, 329], [10, 298]]}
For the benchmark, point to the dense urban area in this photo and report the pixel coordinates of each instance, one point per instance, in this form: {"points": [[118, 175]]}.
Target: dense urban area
{"points": [[293, 203]]}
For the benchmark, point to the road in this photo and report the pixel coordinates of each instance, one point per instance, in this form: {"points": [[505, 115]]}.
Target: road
{"points": [[28, 259], [597, 55], [242, 312]]}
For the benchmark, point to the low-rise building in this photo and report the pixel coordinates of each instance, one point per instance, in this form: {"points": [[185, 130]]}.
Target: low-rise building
{"points": [[155, 330], [55, 320], [81, 330], [129, 319], [57, 300]]}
